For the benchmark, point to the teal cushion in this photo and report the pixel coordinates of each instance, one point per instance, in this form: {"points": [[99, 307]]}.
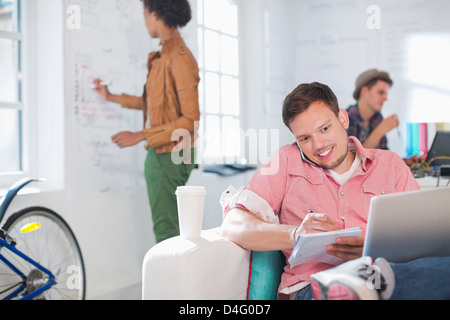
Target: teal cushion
{"points": [[265, 274]]}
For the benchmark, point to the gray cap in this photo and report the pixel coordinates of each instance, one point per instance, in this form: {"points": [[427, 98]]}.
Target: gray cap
{"points": [[369, 75]]}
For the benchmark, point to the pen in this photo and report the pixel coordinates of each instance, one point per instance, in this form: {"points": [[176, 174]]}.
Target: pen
{"points": [[103, 83]]}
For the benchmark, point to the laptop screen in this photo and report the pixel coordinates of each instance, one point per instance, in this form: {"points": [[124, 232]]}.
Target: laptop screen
{"points": [[409, 225], [440, 148]]}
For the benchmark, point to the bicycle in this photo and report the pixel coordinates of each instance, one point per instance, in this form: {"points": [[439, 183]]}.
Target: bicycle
{"points": [[40, 258]]}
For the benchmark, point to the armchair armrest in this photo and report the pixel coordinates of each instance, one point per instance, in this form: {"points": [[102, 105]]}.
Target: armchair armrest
{"points": [[207, 268]]}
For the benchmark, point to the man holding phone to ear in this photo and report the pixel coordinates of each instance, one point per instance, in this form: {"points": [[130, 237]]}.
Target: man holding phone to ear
{"points": [[332, 175]]}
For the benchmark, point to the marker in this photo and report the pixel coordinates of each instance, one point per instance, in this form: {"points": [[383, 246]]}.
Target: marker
{"points": [[103, 83], [311, 212], [315, 213], [398, 128]]}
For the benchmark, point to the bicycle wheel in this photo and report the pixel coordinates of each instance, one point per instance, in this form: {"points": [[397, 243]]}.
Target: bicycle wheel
{"points": [[45, 237]]}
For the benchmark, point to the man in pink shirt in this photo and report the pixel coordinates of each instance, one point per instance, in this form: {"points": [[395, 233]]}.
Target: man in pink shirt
{"points": [[324, 172]]}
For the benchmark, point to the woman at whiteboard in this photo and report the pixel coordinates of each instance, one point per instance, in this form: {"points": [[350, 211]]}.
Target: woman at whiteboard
{"points": [[171, 112]]}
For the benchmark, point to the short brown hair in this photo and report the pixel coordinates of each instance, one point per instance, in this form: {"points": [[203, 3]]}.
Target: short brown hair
{"points": [[303, 96]]}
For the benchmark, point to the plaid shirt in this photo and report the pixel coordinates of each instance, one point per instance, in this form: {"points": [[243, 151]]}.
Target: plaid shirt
{"points": [[356, 127]]}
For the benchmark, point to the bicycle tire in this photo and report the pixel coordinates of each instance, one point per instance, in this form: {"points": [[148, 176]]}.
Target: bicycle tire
{"points": [[54, 246]]}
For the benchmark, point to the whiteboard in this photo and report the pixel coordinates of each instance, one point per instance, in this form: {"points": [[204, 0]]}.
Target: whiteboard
{"points": [[333, 45], [111, 44]]}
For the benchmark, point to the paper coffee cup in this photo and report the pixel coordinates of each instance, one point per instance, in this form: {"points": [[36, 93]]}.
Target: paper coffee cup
{"points": [[191, 204]]}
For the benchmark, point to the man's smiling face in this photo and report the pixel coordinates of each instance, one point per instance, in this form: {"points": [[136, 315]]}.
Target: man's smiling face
{"points": [[323, 137]]}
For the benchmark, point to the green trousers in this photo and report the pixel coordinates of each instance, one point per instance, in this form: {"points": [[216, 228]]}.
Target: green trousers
{"points": [[163, 177]]}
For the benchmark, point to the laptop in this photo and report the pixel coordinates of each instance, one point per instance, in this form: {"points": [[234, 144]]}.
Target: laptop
{"points": [[439, 148], [409, 225]]}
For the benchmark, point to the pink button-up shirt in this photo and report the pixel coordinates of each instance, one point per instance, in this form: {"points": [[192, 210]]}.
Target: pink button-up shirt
{"points": [[298, 186]]}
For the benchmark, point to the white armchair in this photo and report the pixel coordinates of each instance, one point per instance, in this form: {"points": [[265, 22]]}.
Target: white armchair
{"points": [[207, 268]]}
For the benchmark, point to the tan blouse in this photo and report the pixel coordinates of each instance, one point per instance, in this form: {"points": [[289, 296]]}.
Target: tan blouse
{"points": [[170, 97]]}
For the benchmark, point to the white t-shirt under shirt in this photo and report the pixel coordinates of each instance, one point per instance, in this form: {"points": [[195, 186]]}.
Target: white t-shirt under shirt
{"points": [[342, 178]]}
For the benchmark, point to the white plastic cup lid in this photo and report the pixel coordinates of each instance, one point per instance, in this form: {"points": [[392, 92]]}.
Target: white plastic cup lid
{"points": [[191, 190]]}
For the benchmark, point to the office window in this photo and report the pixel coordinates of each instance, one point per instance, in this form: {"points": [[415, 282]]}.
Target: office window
{"points": [[11, 107], [219, 89]]}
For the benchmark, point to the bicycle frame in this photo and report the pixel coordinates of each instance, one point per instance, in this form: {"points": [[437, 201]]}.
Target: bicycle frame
{"points": [[36, 292], [6, 201]]}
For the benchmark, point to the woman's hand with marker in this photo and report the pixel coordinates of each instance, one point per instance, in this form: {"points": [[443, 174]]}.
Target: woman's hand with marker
{"points": [[101, 87]]}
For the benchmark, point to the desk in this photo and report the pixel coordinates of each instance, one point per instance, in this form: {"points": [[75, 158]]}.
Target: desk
{"points": [[433, 182]]}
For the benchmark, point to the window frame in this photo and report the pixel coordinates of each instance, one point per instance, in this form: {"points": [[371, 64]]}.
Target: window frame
{"points": [[9, 177], [217, 137], [43, 98]]}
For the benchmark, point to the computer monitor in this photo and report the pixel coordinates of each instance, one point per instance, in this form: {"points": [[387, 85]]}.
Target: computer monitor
{"points": [[440, 148]]}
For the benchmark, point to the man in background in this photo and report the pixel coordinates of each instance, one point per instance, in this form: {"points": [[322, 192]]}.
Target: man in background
{"points": [[366, 121]]}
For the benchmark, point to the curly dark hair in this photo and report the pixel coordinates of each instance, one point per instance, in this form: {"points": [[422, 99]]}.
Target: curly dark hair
{"points": [[175, 13]]}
